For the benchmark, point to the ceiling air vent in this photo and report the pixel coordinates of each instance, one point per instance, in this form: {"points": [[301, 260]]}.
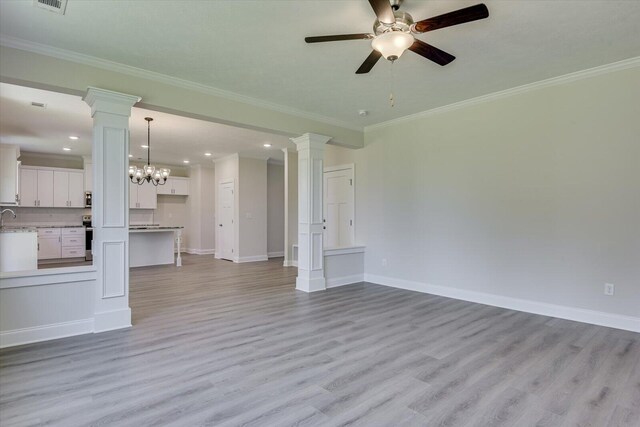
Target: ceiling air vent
{"points": [[38, 104], [57, 6]]}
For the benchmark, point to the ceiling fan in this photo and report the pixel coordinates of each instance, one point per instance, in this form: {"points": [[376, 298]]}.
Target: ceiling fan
{"points": [[393, 33]]}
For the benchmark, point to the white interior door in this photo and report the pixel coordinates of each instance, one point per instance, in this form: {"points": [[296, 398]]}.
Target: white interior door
{"points": [[338, 208], [225, 221]]}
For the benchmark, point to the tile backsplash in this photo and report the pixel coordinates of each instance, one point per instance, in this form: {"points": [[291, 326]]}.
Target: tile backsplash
{"points": [[45, 216]]}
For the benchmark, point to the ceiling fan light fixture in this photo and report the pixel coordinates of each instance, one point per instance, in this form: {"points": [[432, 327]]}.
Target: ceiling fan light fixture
{"points": [[392, 44]]}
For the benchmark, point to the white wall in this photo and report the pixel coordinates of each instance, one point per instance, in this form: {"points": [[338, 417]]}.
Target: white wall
{"points": [[534, 197], [172, 211], [252, 220], [275, 209]]}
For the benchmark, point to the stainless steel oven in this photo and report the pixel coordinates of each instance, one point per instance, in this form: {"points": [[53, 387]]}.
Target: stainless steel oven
{"points": [[88, 237]]}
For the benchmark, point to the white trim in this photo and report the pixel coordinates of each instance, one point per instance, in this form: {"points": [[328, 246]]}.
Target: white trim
{"points": [[45, 332], [48, 276], [567, 78], [110, 320], [276, 254], [251, 258], [348, 166], [194, 251], [290, 263], [92, 61], [601, 318], [343, 251], [345, 280]]}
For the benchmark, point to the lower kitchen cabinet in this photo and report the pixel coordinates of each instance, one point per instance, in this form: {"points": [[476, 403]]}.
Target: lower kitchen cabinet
{"points": [[60, 243]]}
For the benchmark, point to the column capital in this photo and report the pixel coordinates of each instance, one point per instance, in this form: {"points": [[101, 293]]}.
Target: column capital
{"points": [[310, 140], [109, 101]]}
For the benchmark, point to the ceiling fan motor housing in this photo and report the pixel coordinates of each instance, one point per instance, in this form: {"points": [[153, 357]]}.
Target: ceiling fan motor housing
{"points": [[403, 23]]}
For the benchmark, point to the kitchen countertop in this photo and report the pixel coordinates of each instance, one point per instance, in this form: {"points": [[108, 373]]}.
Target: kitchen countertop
{"points": [[151, 228], [43, 226], [10, 229]]}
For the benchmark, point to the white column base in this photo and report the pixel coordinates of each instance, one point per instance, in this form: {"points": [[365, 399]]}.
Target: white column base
{"points": [[310, 285], [110, 320]]}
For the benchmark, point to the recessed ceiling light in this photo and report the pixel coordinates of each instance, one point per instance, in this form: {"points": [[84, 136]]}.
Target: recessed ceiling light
{"points": [[130, 155], [185, 161], [144, 146], [66, 148], [266, 145], [73, 137], [207, 154]]}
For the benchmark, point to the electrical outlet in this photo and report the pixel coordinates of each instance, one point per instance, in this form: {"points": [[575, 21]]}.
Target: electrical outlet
{"points": [[609, 289], [384, 262]]}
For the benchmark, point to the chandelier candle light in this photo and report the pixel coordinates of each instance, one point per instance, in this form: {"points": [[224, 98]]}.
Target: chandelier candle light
{"points": [[148, 173]]}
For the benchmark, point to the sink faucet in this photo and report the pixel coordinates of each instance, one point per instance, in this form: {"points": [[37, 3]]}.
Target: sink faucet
{"points": [[1, 217]]}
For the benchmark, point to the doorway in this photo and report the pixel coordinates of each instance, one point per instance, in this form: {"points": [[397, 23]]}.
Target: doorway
{"points": [[226, 239], [338, 207]]}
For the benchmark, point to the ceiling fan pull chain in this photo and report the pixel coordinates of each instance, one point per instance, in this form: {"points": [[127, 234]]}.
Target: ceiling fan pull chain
{"points": [[391, 100]]}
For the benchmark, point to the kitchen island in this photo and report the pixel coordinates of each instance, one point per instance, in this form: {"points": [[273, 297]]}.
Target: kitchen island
{"points": [[154, 245], [18, 249]]}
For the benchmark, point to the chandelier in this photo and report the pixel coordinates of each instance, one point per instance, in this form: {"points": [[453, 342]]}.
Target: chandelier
{"points": [[148, 173]]}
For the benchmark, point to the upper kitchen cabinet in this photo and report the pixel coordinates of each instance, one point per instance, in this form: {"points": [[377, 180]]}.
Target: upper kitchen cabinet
{"points": [[51, 187], [9, 174], [175, 186], [68, 189], [36, 187], [143, 196]]}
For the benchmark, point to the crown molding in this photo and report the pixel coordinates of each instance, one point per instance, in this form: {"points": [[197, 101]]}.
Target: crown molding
{"points": [[92, 61], [553, 81]]}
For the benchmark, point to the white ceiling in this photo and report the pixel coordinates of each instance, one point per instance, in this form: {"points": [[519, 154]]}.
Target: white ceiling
{"points": [[173, 138], [256, 48]]}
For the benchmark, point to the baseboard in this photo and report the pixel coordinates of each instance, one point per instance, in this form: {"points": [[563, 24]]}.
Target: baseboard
{"points": [[45, 333], [193, 251], [111, 320], [553, 310], [334, 282], [275, 254], [287, 263], [251, 258]]}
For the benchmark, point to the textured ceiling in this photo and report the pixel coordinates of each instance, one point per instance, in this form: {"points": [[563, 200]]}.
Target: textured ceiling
{"points": [[173, 138], [256, 48]]}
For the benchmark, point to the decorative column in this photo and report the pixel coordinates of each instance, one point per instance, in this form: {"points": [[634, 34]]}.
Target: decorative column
{"points": [[310, 225], [110, 112]]}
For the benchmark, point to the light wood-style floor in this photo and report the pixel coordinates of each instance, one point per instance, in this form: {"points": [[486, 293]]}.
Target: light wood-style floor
{"points": [[216, 343]]}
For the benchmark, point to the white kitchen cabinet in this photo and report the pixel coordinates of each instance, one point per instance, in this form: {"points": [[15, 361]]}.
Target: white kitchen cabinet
{"points": [[76, 189], [9, 175], [45, 188], [143, 196], [49, 243], [68, 189], [60, 189], [55, 243], [28, 187], [36, 187], [175, 186], [51, 187]]}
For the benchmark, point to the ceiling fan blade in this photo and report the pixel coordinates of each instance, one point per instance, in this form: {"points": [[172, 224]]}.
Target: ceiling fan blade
{"points": [[368, 63], [468, 14], [431, 53], [335, 38], [383, 11]]}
